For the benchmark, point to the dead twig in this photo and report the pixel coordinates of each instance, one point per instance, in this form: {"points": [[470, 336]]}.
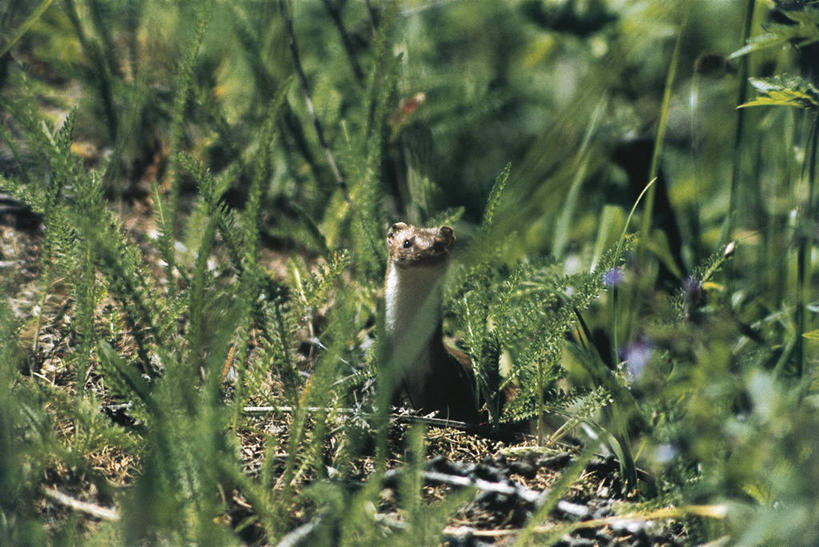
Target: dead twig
{"points": [[717, 512], [299, 535], [526, 494], [228, 363], [97, 511]]}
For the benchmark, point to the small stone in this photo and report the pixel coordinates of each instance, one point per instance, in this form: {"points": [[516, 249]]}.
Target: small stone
{"points": [[571, 510]]}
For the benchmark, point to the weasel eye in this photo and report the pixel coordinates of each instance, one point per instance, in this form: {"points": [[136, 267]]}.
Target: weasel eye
{"points": [[407, 243]]}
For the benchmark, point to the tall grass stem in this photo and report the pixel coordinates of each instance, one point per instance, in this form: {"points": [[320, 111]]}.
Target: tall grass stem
{"points": [[645, 231], [742, 94], [803, 262]]}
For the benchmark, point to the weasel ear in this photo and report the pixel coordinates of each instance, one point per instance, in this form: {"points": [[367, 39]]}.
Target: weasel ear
{"points": [[398, 226], [447, 232]]}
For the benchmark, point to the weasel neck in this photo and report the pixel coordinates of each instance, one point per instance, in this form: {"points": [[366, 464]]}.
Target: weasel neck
{"points": [[413, 299]]}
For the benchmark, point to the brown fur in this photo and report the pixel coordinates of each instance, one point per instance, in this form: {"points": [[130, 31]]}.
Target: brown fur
{"points": [[411, 246]]}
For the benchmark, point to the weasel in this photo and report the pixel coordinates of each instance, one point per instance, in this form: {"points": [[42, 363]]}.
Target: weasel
{"points": [[432, 377]]}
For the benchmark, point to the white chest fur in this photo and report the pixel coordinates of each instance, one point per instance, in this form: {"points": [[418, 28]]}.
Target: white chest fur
{"points": [[407, 290], [413, 301]]}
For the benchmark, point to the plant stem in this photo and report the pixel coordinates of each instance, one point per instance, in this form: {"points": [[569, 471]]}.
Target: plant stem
{"points": [[335, 14], [622, 239], [803, 265], [27, 24], [305, 89], [540, 402], [645, 230], [742, 93], [615, 343]]}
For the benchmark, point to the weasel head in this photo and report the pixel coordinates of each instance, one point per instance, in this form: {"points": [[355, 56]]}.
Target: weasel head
{"points": [[410, 246]]}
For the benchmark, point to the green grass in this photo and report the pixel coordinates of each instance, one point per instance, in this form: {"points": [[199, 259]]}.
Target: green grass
{"points": [[635, 255]]}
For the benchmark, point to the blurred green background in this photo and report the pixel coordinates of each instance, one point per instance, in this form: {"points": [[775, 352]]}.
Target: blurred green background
{"points": [[502, 82]]}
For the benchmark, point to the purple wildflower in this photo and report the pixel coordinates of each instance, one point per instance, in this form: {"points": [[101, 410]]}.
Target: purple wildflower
{"points": [[692, 287], [665, 453], [694, 296], [636, 355], [613, 277]]}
